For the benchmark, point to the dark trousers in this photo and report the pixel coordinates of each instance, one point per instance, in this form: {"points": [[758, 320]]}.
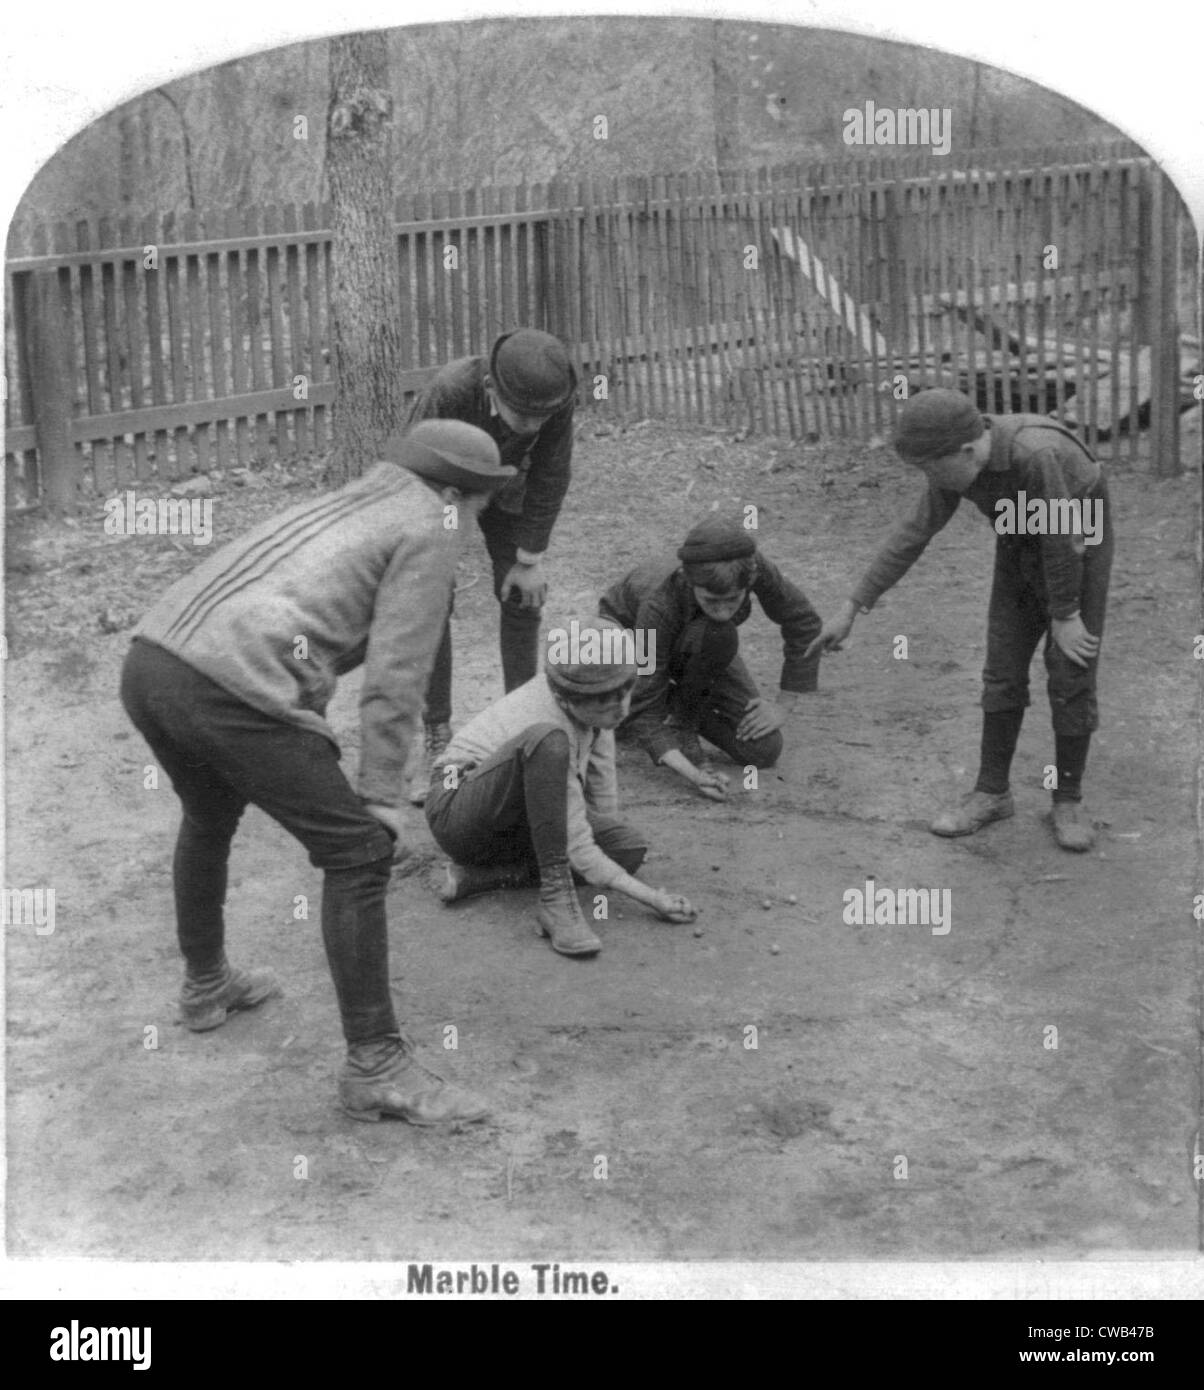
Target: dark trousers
{"points": [[518, 627], [711, 689], [222, 756], [512, 808], [1018, 617]]}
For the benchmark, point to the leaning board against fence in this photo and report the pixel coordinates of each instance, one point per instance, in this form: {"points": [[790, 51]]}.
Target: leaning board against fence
{"points": [[809, 302], [792, 301]]}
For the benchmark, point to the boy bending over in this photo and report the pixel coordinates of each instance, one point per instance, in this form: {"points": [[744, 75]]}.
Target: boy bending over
{"points": [[1052, 566], [228, 679]]}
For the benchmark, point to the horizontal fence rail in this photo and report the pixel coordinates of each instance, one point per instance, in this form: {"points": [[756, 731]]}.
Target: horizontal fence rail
{"points": [[802, 302]]}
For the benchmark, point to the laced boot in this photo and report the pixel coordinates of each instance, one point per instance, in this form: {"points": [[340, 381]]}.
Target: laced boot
{"points": [[559, 913], [383, 1077], [1072, 827], [972, 812], [208, 997]]}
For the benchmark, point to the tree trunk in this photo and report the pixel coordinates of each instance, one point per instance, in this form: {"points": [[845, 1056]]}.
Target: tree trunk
{"points": [[365, 298]]}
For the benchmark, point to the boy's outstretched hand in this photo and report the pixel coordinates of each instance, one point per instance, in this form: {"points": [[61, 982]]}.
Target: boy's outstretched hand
{"points": [[672, 907], [712, 785], [833, 634], [1074, 639]]}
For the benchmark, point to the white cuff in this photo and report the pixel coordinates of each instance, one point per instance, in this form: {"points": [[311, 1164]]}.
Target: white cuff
{"points": [[525, 557]]}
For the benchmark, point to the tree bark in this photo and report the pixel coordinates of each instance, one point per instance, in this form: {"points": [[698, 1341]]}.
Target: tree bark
{"points": [[365, 296]]}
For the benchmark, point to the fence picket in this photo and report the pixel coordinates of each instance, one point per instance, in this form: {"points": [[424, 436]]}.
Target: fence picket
{"points": [[865, 268]]}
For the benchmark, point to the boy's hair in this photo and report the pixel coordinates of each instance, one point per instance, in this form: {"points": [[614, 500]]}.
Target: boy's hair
{"points": [[722, 577]]}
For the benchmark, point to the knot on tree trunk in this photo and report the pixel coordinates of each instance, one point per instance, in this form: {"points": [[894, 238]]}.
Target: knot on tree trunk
{"points": [[361, 112]]}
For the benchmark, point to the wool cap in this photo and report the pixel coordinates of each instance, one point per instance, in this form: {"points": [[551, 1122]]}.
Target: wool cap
{"points": [[449, 452], [590, 657], [716, 539], [531, 371], [935, 423]]}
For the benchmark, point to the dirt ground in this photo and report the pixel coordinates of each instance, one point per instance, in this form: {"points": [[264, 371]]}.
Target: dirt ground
{"points": [[873, 1043]]}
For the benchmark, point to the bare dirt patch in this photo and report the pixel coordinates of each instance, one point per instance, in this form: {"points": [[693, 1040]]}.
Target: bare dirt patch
{"points": [[872, 1042]]}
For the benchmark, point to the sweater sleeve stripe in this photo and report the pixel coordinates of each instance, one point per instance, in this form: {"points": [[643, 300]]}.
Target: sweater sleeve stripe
{"points": [[261, 558]]}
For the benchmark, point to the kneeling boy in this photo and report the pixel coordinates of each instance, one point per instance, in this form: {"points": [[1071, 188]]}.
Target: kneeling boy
{"points": [[699, 685], [526, 793]]}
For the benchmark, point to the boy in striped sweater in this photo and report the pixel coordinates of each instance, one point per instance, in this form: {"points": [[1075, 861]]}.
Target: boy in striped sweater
{"points": [[228, 679]]}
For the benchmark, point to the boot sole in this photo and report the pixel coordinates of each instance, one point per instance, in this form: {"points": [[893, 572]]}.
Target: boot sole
{"points": [[207, 1024], [1070, 849], [567, 950]]}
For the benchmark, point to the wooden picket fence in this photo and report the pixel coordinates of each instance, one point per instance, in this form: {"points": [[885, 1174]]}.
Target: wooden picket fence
{"points": [[802, 302]]}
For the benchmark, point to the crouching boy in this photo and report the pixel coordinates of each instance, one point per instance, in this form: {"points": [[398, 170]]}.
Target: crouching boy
{"points": [[699, 685], [228, 679], [526, 793]]}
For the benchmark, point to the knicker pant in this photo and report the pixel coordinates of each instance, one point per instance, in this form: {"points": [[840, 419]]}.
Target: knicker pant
{"points": [[222, 755], [513, 808], [1017, 619]]}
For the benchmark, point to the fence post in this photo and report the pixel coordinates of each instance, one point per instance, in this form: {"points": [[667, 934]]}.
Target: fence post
{"points": [[1164, 327], [47, 352]]}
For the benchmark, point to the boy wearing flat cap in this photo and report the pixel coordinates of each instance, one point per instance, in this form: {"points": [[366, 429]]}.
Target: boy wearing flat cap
{"points": [[1048, 498], [228, 679], [699, 685], [522, 395], [526, 792]]}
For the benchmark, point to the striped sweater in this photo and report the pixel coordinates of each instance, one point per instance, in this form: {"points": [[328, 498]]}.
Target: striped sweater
{"points": [[363, 575]]}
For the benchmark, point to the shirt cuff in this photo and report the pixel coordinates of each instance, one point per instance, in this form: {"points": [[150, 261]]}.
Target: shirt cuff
{"points": [[527, 557]]}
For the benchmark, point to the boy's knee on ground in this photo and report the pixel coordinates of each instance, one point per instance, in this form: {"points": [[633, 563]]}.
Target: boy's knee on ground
{"points": [[762, 752]]}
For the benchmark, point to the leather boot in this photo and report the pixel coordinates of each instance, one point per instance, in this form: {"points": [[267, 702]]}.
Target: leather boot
{"points": [[383, 1077], [463, 880], [206, 999], [1072, 827], [559, 913], [972, 812]]}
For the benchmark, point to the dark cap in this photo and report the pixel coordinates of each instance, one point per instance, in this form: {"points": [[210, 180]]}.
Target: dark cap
{"points": [[716, 539], [590, 658], [935, 423], [449, 452], [531, 372]]}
